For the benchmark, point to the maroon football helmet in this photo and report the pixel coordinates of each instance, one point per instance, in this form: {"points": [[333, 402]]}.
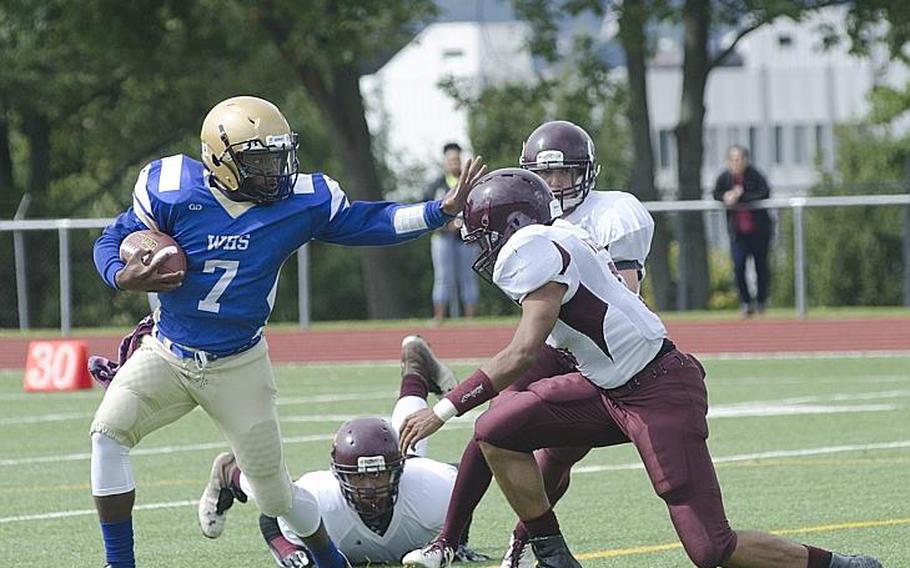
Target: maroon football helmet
{"points": [[560, 145], [368, 464], [502, 202]]}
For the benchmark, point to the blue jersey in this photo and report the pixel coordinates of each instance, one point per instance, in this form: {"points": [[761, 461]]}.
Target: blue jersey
{"points": [[235, 250]]}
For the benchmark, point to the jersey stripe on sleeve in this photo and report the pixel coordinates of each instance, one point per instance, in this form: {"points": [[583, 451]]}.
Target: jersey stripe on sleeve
{"points": [[142, 204], [171, 172], [339, 199], [409, 218]]}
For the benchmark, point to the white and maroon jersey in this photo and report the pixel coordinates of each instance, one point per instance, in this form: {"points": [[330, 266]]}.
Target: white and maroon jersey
{"points": [[607, 328], [616, 220], [419, 513]]}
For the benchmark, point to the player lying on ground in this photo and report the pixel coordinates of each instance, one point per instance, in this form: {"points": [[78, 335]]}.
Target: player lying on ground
{"points": [[376, 505], [563, 154], [629, 385], [238, 214]]}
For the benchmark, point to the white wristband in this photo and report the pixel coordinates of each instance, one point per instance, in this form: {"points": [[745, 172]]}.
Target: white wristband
{"points": [[445, 410]]}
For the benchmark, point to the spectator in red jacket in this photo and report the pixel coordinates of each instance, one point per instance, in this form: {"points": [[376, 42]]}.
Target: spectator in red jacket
{"points": [[750, 229]]}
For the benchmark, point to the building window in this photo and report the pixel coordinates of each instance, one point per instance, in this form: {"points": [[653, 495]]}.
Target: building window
{"points": [[711, 148], [799, 144], [778, 144], [665, 144], [732, 136], [785, 41], [753, 143], [820, 143]]}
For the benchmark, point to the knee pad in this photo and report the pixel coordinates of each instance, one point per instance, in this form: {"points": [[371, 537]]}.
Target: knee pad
{"points": [[112, 473], [303, 517], [273, 493]]}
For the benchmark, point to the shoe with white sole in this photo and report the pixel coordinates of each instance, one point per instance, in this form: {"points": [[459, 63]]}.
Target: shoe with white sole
{"points": [[417, 358], [519, 554], [218, 496], [437, 554]]}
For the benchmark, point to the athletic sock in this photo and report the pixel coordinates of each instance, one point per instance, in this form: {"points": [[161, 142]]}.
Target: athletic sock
{"points": [[544, 525], [473, 479], [118, 543], [328, 556], [413, 384], [818, 558]]}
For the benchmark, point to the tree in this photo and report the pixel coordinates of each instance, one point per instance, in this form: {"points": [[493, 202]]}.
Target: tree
{"points": [[698, 18], [582, 90], [633, 18], [92, 91], [327, 48]]}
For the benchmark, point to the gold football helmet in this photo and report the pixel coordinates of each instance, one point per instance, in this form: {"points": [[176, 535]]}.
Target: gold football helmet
{"points": [[250, 150]]}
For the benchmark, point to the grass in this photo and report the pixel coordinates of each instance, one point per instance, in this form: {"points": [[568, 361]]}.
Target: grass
{"points": [[845, 500], [696, 315]]}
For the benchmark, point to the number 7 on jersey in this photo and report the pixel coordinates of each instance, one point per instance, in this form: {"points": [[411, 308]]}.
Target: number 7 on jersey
{"points": [[210, 302]]}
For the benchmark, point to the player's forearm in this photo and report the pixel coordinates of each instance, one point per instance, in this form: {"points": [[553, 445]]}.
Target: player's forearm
{"points": [[106, 251], [365, 223], [509, 365], [494, 376]]}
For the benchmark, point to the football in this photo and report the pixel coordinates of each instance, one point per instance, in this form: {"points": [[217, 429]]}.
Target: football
{"points": [[153, 244]]}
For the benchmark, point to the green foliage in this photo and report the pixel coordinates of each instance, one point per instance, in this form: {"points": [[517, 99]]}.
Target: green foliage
{"points": [[865, 29], [116, 85], [853, 254]]}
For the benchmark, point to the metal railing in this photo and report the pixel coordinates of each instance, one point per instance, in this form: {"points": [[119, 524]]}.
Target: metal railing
{"points": [[796, 204]]}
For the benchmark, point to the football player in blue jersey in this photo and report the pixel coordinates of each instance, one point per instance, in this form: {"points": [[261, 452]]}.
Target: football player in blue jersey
{"points": [[238, 215]]}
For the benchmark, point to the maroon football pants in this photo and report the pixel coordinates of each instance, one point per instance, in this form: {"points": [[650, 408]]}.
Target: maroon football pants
{"points": [[661, 411]]}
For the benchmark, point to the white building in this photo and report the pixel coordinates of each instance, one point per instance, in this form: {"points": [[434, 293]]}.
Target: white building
{"points": [[405, 102], [782, 99], [780, 94]]}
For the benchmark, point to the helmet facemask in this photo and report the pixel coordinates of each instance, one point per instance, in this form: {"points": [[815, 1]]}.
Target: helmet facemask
{"points": [[582, 177], [266, 172], [370, 487], [489, 243]]}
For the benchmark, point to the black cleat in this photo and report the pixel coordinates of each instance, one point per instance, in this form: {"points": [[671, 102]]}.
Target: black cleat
{"points": [[552, 552], [859, 561]]}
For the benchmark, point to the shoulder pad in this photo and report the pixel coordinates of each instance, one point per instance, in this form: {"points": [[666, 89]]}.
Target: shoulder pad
{"points": [[528, 261], [172, 179]]}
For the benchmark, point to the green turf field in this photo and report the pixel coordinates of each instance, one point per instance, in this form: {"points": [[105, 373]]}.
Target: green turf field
{"points": [[818, 448]]}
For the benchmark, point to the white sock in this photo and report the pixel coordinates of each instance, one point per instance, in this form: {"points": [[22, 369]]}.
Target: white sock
{"points": [[406, 406]]}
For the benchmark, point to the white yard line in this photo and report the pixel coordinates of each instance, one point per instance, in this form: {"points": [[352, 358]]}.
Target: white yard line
{"points": [[287, 401], [582, 469], [739, 411], [39, 418], [887, 354], [835, 397], [84, 512], [221, 445], [775, 454], [389, 395], [338, 397]]}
